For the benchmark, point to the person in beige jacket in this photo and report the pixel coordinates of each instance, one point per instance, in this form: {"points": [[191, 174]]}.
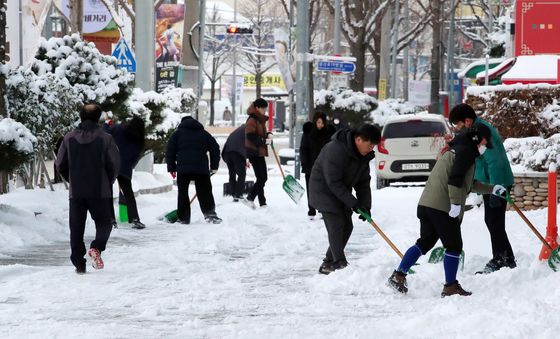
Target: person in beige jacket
{"points": [[442, 205]]}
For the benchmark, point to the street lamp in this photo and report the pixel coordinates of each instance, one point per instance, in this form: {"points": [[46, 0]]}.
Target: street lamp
{"points": [[56, 24]]}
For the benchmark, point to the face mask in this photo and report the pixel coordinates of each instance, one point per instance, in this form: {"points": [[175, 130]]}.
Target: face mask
{"points": [[481, 149]]}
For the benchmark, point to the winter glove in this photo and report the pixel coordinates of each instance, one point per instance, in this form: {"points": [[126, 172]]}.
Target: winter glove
{"points": [[499, 191], [214, 171], [173, 174], [268, 140], [358, 208], [454, 211]]}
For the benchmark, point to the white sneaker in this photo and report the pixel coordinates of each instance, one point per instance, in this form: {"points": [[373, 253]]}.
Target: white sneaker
{"points": [[249, 203]]}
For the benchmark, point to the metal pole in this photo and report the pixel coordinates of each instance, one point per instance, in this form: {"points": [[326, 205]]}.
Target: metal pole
{"points": [[486, 70], [395, 51], [20, 24], [384, 60], [201, 52], [234, 86], [406, 52], [302, 76], [337, 8], [451, 55], [189, 61], [144, 47], [291, 93]]}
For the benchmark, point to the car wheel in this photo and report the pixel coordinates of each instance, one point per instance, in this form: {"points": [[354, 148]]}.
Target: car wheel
{"points": [[381, 183]]}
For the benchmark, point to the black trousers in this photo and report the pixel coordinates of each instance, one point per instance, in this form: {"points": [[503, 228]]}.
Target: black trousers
{"points": [[237, 171], [311, 209], [100, 211], [126, 196], [339, 228], [259, 166], [495, 218], [203, 187], [435, 225]]}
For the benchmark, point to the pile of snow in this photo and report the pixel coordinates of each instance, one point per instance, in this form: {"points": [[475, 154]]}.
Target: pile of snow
{"points": [[345, 100], [16, 135], [534, 153]]}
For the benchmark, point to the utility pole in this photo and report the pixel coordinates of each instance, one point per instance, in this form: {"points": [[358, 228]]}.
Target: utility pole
{"points": [[406, 51], [201, 29], [189, 62], [395, 51], [451, 54], [144, 46], [384, 60], [302, 75], [337, 9], [291, 93], [3, 111], [234, 85]]}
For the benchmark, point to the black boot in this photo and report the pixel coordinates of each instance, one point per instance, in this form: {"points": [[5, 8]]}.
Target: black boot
{"points": [[497, 263], [397, 281], [330, 266]]}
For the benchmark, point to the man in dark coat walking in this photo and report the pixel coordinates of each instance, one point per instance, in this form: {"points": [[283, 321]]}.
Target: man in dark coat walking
{"points": [[316, 135], [342, 165], [187, 160], [235, 156], [89, 160]]}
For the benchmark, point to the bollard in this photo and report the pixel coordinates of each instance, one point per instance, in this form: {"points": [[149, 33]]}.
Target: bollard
{"points": [[552, 227]]}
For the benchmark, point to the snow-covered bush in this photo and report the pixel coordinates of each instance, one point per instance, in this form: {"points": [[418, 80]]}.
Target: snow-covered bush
{"points": [[534, 153], [46, 104], [16, 144], [352, 107], [95, 76], [391, 107]]}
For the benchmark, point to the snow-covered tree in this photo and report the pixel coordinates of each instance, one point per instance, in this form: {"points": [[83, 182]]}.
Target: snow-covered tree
{"points": [[95, 76], [46, 104], [16, 144]]}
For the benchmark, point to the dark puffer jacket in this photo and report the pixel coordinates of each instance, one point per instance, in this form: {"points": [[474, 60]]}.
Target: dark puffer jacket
{"points": [[130, 151], [339, 168], [235, 142], [312, 142], [89, 160], [188, 147]]}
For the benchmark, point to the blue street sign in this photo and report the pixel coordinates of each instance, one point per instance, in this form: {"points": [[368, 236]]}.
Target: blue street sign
{"points": [[124, 56], [336, 66]]}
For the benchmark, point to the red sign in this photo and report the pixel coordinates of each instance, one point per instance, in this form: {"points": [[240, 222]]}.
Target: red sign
{"points": [[537, 27]]}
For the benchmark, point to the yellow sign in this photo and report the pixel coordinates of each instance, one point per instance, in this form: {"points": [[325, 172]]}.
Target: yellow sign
{"points": [[267, 80], [382, 91]]}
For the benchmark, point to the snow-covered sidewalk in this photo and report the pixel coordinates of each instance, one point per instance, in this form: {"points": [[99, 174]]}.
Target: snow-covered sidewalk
{"points": [[255, 276]]}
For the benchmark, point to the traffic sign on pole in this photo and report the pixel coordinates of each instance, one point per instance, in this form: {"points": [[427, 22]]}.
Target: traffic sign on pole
{"points": [[336, 66], [124, 56]]}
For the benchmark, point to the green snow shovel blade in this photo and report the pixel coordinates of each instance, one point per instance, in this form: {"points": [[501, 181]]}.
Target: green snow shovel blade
{"points": [[293, 188], [170, 217], [290, 185], [554, 260], [123, 213], [439, 252]]}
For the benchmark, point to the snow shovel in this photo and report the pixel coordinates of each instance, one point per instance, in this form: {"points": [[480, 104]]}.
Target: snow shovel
{"points": [[439, 252], [554, 260], [172, 216], [290, 185], [372, 223]]}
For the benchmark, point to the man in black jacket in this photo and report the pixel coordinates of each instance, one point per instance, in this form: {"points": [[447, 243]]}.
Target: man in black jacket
{"points": [[235, 156], [89, 160], [187, 160], [342, 165]]}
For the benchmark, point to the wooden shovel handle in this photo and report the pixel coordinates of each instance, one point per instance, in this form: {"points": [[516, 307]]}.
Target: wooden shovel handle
{"points": [[277, 160], [372, 223], [522, 215]]}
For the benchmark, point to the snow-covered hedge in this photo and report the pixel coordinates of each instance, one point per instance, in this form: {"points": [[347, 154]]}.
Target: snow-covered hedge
{"points": [[534, 153], [16, 144], [353, 108]]}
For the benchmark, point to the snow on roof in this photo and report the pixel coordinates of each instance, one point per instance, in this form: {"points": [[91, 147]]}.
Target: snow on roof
{"points": [[481, 90], [533, 67], [417, 116], [496, 69]]}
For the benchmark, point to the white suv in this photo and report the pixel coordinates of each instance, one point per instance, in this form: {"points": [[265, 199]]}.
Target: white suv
{"points": [[409, 147]]}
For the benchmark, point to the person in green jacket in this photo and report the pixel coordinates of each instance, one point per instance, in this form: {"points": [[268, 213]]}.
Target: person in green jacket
{"points": [[492, 168], [441, 207]]}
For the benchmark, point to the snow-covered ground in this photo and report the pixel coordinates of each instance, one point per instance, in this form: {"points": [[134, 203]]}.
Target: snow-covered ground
{"points": [[255, 275]]}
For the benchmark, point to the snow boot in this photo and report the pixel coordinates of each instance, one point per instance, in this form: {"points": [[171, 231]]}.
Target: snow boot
{"points": [[213, 219], [397, 281], [137, 224], [96, 260], [81, 269], [114, 224], [452, 289], [330, 266], [496, 264]]}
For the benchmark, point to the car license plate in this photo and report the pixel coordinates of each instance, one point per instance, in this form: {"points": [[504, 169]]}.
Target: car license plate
{"points": [[411, 167]]}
